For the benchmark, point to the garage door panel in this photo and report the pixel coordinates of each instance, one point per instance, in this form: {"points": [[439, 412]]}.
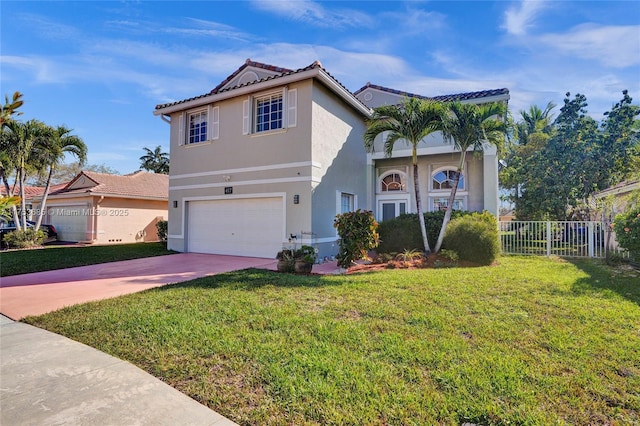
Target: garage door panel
{"points": [[70, 222], [241, 227]]}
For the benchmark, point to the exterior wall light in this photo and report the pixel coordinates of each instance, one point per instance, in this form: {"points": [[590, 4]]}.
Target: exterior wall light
{"points": [[296, 199], [175, 204]]}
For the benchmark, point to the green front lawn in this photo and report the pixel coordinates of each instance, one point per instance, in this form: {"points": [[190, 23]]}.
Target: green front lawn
{"points": [[59, 257], [529, 341]]}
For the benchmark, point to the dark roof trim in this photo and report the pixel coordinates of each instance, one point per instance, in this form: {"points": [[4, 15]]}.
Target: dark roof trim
{"points": [[442, 98]]}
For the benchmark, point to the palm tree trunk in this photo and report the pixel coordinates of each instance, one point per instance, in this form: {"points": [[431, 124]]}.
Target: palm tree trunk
{"points": [[7, 188], [423, 228], [23, 203], [452, 197], [43, 203]]}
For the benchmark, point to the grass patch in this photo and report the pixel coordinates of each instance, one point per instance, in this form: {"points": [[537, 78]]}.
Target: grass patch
{"points": [[48, 258], [529, 341]]}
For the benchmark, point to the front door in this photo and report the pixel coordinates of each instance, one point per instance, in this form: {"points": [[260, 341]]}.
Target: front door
{"points": [[390, 209]]}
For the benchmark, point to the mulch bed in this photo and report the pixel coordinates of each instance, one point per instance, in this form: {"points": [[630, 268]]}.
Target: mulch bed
{"points": [[432, 261]]}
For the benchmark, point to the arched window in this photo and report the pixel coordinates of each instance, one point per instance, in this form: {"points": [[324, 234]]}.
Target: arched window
{"points": [[443, 179], [393, 182]]}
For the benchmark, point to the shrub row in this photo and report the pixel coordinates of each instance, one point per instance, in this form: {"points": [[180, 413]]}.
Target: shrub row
{"points": [[472, 236]]}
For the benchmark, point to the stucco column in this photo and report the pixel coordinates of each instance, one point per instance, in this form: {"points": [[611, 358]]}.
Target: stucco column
{"points": [[490, 172]]}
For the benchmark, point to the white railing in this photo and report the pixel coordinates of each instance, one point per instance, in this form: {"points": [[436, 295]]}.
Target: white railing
{"points": [[562, 238]]}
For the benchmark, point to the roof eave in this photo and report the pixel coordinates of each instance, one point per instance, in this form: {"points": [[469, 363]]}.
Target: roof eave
{"points": [[318, 73]]}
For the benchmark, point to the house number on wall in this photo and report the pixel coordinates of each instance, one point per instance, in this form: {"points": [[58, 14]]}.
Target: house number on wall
{"points": [[228, 189]]}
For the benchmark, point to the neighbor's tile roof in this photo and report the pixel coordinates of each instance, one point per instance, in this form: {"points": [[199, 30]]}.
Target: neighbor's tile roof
{"points": [[283, 72], [32, 191], [137, 184], [442, 98]]}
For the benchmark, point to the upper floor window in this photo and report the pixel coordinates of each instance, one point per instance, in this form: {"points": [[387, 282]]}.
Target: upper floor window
{"points": [[197, 127], [268, 112], [444, 179], [273, 111], [393, 182]]}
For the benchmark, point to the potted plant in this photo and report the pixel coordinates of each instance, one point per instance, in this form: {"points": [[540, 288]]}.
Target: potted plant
{"points": [[286, 259], [305, 257]]}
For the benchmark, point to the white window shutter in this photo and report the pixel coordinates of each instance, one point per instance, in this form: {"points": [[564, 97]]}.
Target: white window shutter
{"points": [[181, 135], [292, 106], [214, 119], [246, 114]]}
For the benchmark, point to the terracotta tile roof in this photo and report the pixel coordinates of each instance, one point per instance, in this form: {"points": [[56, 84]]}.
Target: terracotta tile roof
{"points": [[442, 98], [135, 185], [283, 73], [32, 191]]}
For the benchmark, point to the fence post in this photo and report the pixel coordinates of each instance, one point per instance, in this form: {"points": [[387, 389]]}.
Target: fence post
{"points": [[548, 238], [591, 240]]}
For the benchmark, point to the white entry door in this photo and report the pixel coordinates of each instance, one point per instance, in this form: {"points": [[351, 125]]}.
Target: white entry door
{"points": [[241, 227], [389, 209]]}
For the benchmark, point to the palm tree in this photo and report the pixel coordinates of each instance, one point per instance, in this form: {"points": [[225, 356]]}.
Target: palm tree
{"points": [[9, 109], [20, 142], [411, 121], [534, 121], [53, 151], [470, 126], [155, 161]]}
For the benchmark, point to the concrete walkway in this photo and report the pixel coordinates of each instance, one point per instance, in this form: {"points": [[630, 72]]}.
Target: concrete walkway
{"points": [[47, 379]]}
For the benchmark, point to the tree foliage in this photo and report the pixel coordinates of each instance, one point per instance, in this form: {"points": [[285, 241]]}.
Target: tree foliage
{"points": [[155, 161], [410, 122], [358, 234], [554, 169]]}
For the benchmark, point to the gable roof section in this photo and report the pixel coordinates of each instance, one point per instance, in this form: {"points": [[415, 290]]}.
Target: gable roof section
{"points": [[442, 98], [249, 63], [135, 185], [284, 76]]}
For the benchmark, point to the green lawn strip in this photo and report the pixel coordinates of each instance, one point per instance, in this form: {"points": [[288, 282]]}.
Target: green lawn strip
{"points": [[17, 262], [529, 341]]}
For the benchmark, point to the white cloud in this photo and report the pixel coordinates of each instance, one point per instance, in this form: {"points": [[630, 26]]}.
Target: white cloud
{"points": [[519, 19], [615, 46], [315, 14]]}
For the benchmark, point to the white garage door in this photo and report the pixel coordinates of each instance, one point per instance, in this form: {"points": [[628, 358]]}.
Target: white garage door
{"points": [[70, 222], [241, 227]]}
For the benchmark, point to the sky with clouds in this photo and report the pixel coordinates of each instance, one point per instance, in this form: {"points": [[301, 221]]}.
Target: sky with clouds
{"points": [[101, 67]]}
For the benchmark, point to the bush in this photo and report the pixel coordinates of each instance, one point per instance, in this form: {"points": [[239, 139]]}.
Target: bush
{"points": [[162, 227], [403, 232], [358, 234], [24, 239], [475, 238], [627, 227]]}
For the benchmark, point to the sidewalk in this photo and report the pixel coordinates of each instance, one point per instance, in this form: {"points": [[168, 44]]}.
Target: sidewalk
{"points": [[47, 379]]}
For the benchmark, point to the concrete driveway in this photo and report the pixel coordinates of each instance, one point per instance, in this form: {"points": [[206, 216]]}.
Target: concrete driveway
{"points": [[42, 292]]}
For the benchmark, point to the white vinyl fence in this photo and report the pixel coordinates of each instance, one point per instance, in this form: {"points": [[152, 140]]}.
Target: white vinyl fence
{"points": [[566, 239]]}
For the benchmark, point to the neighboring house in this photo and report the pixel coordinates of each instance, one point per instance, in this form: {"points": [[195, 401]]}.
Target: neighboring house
{"points": [[271, 155], [30, 192], [613, 201], [102, 208]]}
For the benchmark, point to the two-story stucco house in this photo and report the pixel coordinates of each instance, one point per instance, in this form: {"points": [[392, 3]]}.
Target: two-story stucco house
{"points": [[271, 155]]}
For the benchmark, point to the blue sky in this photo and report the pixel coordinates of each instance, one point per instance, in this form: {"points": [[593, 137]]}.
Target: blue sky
{"points": [[101, 67]]}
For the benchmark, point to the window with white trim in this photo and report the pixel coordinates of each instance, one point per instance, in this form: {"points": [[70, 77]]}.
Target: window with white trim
{"points": [[272, 111], [199, 126], [268, 113], [444, 179], [441, 203], [392, 181], [347, 202]]}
